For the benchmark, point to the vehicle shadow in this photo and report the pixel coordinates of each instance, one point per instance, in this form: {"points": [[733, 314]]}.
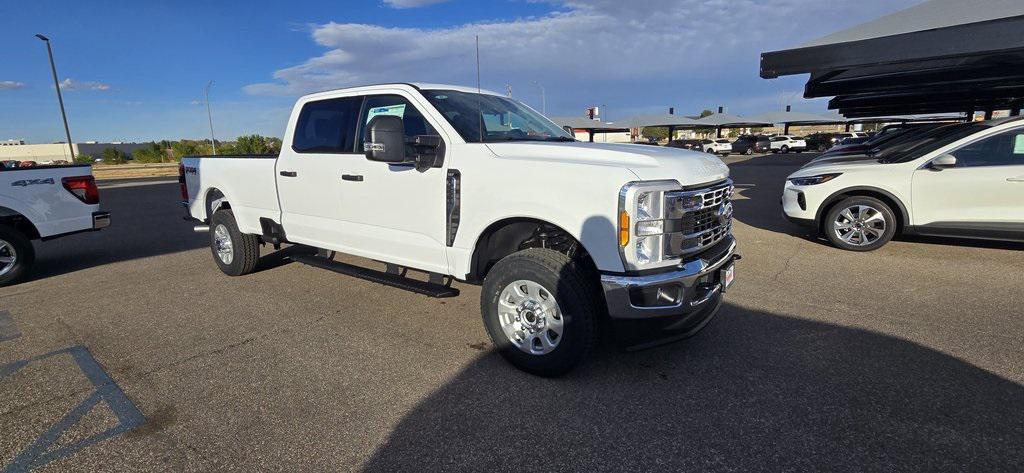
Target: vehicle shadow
{"points": [[755, 391], [759, 181], [147, 221]]}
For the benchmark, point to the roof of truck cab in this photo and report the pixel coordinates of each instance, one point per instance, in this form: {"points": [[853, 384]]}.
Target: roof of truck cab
{"points": [[415, 85]]}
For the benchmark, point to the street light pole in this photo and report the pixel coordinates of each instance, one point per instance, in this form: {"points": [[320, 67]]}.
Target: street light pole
{"points": [[60, 98], [543, 99], [209, 116]]}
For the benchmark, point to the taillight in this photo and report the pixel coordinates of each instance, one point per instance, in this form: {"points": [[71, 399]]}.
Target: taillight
{"points": [[83, 187], [181, 182]]}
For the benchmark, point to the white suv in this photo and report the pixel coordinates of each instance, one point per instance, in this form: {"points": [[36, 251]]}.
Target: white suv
{"points": [[786, 143], [717, 146], [963, 180]]}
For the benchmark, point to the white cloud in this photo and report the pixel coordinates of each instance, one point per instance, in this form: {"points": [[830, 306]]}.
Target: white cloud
{"points": [[10, 84], [411, 3], [71, 84], [584, 47]]}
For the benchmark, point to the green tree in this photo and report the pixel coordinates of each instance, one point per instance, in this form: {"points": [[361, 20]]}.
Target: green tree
{"points": [[152, 153], [705, 113], [84, 159], [256, 144], [114, 156], [655, 132]]}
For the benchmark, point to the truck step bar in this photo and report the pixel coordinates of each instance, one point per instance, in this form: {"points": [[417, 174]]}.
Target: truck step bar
{"points": [[433, 288]]}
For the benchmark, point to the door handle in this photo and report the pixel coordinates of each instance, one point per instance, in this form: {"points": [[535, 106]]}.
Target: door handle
{"points": [[289, 173], [1016, 179], [352, 177]]}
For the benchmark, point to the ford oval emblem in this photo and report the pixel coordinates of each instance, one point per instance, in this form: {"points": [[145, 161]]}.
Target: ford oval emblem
{"points": [[725, 213]]}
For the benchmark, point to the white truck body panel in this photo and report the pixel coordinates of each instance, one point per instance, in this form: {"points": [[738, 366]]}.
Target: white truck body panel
{"points": [[38, 195], [396, 214]]}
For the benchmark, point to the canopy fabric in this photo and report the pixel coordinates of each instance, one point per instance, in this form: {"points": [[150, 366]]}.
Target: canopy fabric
{"points": [[584, 123], [726, 120], [797, 118], [940, 56], [678, 121]]}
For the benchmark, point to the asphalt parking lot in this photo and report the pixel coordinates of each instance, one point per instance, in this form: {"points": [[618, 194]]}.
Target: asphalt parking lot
{"points": [[129, 350]]}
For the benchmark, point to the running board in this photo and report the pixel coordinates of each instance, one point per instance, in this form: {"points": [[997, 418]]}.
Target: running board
{"points": [[433, 288]]}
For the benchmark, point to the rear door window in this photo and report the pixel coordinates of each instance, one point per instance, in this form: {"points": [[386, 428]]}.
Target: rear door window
{"points": [[327, 126]]}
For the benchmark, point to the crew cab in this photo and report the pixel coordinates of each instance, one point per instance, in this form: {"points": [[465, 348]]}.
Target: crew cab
{"points": [[469, 185], [786, 143], [43, 203], [963, 180]]}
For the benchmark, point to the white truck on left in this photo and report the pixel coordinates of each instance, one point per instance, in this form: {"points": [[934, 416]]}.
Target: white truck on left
{"points": [[43, 203]]}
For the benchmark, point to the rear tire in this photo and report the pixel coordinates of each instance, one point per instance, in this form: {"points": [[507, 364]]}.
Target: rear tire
{"points": [[748, 151], [560, 298], [16, 255], [785, 149], [235, 253]]}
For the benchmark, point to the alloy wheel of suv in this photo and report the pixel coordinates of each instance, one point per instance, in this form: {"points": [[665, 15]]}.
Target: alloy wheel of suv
{"points": [[860, 224]]}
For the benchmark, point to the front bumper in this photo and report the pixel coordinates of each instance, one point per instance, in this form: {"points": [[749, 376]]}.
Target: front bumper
{"points": [[690, 287], [100, 220]]}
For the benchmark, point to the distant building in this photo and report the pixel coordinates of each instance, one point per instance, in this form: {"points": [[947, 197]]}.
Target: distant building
{"points": [[19, 151]]}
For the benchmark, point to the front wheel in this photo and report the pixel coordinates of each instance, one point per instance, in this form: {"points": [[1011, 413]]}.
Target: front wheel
{"points": [[16, 255], [235, 253], [748, 151], [860, 224], [785, 149], [540, 309]]}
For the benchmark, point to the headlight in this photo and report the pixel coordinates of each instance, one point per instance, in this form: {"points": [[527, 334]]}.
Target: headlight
{"points": [[813, 180], [642, 222]]}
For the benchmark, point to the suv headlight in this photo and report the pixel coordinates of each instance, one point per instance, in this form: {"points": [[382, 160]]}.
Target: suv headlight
{"points": [[813, 180]]}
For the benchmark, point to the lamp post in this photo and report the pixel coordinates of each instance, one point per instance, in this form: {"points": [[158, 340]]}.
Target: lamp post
{"points": [[60, 98], [543, 99], [209, 116]]}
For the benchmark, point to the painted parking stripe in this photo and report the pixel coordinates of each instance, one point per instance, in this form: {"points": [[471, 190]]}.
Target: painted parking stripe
{"points": [[8, 330]]}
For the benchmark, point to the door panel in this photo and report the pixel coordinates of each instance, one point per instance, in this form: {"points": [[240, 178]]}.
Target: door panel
{"points": [[309, 174], [981, 188], [395, 213]]}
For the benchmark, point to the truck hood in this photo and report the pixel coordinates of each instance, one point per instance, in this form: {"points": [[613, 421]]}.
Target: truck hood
{"points": [[647, 162]]}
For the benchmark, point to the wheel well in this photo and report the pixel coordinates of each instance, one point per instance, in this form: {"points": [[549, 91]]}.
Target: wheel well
{"points": [[897, 207], [508, 236], [212, 195], [19, 222]]}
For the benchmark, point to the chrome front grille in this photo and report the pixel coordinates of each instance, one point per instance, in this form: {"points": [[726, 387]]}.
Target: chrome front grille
{"points": [[699, 218]]}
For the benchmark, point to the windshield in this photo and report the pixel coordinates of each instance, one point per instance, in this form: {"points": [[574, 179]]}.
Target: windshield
{"points": [[924, 143], [502, 119]]}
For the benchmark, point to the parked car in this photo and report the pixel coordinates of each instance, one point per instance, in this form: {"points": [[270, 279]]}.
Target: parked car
{"points": [[407, 174], [786, 143], [886, 138], [750, 144], [694, 144], [824, 141], [7, 164], [962, 180], [43, 203], [720, 146]]}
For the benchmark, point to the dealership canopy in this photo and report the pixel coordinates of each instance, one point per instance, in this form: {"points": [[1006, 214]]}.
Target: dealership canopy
{"points": [[589, 126], [938, 57]]}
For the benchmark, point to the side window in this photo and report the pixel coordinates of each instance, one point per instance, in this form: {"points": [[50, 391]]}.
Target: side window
{"points": [[398, 106], [327, 126], [1003, 149]]}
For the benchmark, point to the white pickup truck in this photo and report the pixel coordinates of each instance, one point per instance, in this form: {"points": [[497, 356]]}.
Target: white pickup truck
{"points": [[477, 187], [43, 203]]}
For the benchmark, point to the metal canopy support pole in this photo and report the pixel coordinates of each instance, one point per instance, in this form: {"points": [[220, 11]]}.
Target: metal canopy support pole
{"points": [[591, 133], [988, 114], [785, 129], [848, 126], [671, 131]]}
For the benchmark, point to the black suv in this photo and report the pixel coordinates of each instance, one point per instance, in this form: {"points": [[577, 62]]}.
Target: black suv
{"points": [[750, 144], [685, 144]]}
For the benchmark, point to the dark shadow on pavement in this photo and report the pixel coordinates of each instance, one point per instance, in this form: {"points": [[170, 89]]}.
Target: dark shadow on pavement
{"points": [[754, 392]]}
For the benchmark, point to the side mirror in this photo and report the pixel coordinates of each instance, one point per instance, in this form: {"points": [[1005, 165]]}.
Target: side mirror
{"points": [[945, 161], [384, 139]]}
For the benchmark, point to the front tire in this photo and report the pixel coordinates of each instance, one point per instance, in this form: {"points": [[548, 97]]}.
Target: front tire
{"points": [[785, 149], [540, 309], [748, 151], [860, 224], [235, 253], [16, 255]]}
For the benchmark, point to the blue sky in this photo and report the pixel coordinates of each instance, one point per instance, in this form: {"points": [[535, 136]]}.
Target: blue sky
{"points": [[135, 70]]}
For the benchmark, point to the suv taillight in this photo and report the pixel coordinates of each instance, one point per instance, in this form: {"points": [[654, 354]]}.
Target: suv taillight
{"points": [[181, 182], [83, 187]]}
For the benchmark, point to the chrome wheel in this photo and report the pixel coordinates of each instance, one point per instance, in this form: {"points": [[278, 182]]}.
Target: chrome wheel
{"points": [[222, 244], [530, 317], [859, 225], [8, 257]]}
